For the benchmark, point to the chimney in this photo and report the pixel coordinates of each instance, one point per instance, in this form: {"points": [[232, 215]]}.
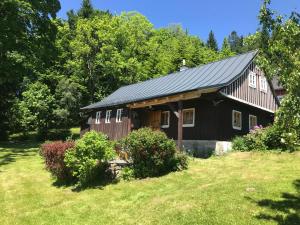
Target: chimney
{"points": [[183, 67]]}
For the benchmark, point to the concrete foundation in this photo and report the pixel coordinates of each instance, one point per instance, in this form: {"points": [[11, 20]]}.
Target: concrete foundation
{"points": [[206, 148]]}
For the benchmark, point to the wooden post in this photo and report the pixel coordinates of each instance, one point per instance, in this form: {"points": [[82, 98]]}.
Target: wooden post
{"points": [[180, 122], [129, 121]]}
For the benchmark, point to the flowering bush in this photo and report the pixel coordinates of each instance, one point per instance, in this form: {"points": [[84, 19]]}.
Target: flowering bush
{"points": [[54, 154], [268, 138]]}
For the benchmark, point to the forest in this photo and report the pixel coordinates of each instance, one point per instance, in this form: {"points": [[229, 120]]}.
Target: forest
{"points": [[51, 67]]}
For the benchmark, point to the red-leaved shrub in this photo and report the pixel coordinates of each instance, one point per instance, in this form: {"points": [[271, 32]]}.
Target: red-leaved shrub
{"points": [[54, 154]]}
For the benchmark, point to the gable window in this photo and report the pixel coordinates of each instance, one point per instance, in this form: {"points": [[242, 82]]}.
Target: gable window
{"points": [[252, 121], [98, 117], [107, 118], [165, 119], [119, 115], [188, 117], [263, 84], [236, 120], [252, 79]]}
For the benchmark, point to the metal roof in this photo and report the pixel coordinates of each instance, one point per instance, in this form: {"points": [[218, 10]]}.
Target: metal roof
{"points": [[213, 75]]}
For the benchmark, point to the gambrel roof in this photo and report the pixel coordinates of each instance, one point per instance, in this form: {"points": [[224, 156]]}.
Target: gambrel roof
{"points": [[213, 75]]}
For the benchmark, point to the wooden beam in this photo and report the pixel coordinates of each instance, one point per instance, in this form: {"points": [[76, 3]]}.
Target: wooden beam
{"points": [[171, 98], [180, 122], [129, 121], [171, 106]]}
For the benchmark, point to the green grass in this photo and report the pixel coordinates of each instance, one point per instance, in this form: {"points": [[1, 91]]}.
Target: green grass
{"points": [[240, 188]]}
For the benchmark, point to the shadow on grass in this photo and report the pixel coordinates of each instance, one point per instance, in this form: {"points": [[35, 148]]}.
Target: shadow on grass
{"points": [[12, 151], [287, 210]]}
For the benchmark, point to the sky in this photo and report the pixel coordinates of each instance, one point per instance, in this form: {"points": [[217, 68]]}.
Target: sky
{"points": [[197, 16]]}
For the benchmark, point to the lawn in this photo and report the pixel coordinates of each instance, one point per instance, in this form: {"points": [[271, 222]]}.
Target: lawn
{"points": [[240, 188]]}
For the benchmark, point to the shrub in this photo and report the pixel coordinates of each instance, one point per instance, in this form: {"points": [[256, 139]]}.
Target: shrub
{"points": [[54, 154], [127, 173], [268, 138], [152, 153], [90, 155]]}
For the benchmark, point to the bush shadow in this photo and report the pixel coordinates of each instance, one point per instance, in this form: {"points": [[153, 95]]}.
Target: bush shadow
{"points": [[286, 211]]}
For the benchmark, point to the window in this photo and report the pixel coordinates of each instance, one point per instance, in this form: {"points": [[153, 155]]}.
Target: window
{"points": [[236, 120], [263, 84], [98, 117], [119, 116], [252, 79], [188, 117], [252, 121], [107, 118], [165, 119]]}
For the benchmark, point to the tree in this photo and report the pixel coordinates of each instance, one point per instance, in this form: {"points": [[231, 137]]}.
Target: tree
{"points": [[280, 56], [212, 42], [68, 96], [235, 42], [86, 10], [36, 108], [26, 47]]}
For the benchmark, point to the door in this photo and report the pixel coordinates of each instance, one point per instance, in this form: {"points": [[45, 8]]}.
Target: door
{"points": [[153, 120]]}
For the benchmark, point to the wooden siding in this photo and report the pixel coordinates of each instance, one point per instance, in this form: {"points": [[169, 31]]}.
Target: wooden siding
{"points": [[240, 90], [113, 129]]}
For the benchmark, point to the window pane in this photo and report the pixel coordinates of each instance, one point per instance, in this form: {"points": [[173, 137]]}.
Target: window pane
{"points": [[188, 117]]}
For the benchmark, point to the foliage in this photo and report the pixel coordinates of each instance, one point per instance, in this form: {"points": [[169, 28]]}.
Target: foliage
{"points": [[90, 154], [127, 174], [152, 153], [269, 138], [212, 42], [236, 42], [54, 154], [280, 56], [36, 108]]}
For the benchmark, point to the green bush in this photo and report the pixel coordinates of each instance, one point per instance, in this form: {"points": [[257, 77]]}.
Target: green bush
{"points": [[127, 173], [90, 155], [152, 153], [269, 138]]}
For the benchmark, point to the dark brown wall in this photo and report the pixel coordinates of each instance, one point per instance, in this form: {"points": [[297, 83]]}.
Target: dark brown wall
{"points": [[212, 122]]}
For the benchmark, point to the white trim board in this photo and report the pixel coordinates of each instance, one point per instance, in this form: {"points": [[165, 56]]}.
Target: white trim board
{"points": [[245, 102]]}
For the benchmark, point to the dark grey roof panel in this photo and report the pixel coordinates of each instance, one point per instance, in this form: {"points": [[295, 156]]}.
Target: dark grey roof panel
{"points": [[213, 75]]}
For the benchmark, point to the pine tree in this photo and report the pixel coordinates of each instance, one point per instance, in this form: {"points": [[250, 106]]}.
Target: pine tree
{"points": [[225, 45], [212, 42], [236, 42], [86, 10]]}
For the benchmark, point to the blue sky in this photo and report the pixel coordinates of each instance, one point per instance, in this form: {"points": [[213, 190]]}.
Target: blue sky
{"points": [[198, 16]]}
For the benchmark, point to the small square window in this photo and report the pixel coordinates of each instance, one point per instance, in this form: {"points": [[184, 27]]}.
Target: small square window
{"points": [[98, 117], [188, 117], [107, 118], [252, 79], [165, 119], [263, 84], [119, 115], [252, 121], [236, 120]]}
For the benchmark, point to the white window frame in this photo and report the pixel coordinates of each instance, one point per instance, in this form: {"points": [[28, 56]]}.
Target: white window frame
{"points": [[119, 116], [252, 116], [166, 125], [188, 125], [263, 84], [98, 117], [107, 116], [252, 79], [233, 126]]}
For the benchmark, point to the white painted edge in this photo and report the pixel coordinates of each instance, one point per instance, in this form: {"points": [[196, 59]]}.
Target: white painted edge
{"points": [[245, 102]]}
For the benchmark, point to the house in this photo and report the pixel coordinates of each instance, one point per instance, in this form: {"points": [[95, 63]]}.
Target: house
{"points": [[201, 107]]}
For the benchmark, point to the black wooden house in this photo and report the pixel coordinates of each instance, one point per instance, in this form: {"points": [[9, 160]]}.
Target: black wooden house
{"points": [[201, 107]]}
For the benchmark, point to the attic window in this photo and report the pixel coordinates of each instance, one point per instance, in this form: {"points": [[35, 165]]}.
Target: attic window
{"points": [[236, 120], [263, 84], [165, 119], [98, 117], [252, 79], [119, 116], [107, 118]]}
